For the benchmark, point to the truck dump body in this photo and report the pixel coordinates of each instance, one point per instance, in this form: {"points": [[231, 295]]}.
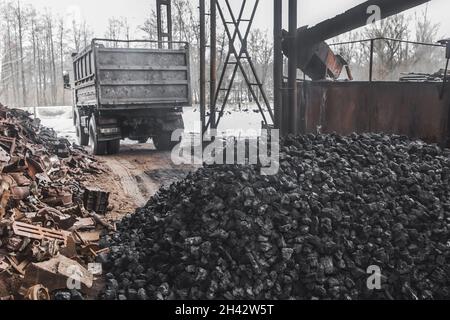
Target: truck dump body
{"points": [[132, 78], [130, 89]]}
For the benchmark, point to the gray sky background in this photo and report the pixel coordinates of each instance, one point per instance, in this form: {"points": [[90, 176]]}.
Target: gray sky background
{"points": [[97, 12]]}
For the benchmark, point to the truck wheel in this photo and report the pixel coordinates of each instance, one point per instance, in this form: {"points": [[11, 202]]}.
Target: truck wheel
{"points": [[113, 147], [99, 148], [82, 138], [163, 142]]}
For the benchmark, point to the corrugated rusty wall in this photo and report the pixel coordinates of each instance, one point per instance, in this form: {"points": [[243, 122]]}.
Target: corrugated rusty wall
{"points": [[412, 109]]}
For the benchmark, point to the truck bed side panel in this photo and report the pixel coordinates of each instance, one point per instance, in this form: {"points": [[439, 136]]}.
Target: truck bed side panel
{"points": [[86, 95], [142, 78]]}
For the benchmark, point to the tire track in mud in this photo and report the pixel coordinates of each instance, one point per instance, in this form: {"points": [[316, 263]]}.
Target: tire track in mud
{"points": [[147, 187], [134, 166], [130, 184]]}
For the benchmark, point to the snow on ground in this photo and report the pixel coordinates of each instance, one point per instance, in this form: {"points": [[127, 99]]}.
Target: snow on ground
{"points": [[60, 119], [57, 118]]}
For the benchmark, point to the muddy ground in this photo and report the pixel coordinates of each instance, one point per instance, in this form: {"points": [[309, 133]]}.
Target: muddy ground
{"points": [[137, 173]]}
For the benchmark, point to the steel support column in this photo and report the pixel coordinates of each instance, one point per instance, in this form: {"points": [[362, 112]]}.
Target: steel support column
{"points": [[213, 63], [278, 63], [164, 32], [372, 48], [202, 65], [292, 72]]}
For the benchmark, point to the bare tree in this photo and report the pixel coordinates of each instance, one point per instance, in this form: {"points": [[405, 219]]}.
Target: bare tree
{"points": [[76, 34], [390, 54], [20, 32], [36, 60], [34, 51], [260, 49], [426, 58], [51, 55], [115, 29]]}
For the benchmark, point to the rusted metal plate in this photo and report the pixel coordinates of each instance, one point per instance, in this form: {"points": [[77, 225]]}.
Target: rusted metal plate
{"points": [[412, 109], [55, 274]]}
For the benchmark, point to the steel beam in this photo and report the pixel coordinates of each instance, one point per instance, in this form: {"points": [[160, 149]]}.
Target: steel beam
{"points": [[278, 63], [164, 35], [213, 64], [372, 48], [202, 65], [356, 17], [292, 66]]}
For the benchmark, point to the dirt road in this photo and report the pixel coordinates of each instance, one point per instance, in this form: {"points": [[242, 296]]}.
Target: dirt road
{"points": [[137, 173]]}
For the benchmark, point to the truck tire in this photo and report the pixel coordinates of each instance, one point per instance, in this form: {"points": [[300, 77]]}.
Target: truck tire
{"points": [[82, 138], [113, 147], [98, 148], [163, 141]]}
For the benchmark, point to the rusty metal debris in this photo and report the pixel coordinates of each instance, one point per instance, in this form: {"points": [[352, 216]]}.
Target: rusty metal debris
{"points": [[37, 293], [425, 77], [55, 274], [49, 222], [35, 232], [96, 200]]}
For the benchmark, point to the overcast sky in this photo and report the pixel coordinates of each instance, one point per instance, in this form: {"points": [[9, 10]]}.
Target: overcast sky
{"points": [[97, 12]]}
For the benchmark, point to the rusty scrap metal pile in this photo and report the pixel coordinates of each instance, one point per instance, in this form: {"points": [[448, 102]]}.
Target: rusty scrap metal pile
{"points": [[338, 207], [48, 220]]}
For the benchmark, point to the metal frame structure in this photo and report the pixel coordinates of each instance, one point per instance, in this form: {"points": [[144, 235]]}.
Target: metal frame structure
{"points": [[202, 58], [278, 62], [241, 58], [372, 48], [164, 32], [292, 67], [301, 47], [291, 89]]}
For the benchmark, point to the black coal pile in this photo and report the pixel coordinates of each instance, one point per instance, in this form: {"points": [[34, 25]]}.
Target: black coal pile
{"points": [[338, 207]]}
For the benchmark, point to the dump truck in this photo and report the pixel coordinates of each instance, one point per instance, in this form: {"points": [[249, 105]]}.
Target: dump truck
{"points": [[129, 90]]}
